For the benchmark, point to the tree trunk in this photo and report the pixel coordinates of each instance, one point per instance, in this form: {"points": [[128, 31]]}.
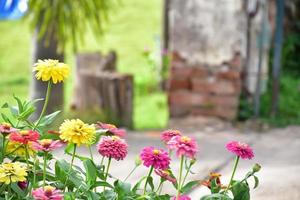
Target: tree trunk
{"points": [[43, 49]]}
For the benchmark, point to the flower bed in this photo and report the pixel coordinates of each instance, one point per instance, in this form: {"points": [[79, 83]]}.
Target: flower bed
{"points": [[27, 149]]}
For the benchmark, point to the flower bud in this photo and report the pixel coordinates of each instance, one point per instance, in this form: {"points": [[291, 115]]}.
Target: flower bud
{"points": [[193, 161], [138, 161], [256, 168]]}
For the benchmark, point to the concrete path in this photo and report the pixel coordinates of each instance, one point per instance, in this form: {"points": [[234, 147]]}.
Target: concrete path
{"points": [[278, 151]]}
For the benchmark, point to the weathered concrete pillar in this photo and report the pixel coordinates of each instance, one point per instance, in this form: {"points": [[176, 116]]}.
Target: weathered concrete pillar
{"points": [[208, 41]]}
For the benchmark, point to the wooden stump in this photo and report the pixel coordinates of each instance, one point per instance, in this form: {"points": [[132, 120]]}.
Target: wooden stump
{"points": [[97, 86]]}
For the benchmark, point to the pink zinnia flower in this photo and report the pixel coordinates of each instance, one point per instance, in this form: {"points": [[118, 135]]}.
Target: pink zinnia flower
{"points": [[113, 147], [167, 135], [46, 145], [157, 158], [111, 129], [24, 136], [6, 128], [165, 174], [240, 149], [47, 193], [184, 146], [182, 197]]}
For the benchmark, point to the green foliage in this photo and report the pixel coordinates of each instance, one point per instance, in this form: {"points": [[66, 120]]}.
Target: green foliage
{"points": [[67, 20], [289, 107]]}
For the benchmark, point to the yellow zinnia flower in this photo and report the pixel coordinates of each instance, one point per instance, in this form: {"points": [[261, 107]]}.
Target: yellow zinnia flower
{"points": [[12, 172], [51, 69], [77, 132], [19, 149]]}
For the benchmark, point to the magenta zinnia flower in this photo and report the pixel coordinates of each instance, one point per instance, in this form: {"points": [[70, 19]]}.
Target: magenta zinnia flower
{"points": [[165, 174], [240, 149], [47, 193], [113, 147], [6, 128], [24, 136], [157, 158], [22, 184], [182, 197], [111, 129], [46, 145], [167, 135], [184, 146]]}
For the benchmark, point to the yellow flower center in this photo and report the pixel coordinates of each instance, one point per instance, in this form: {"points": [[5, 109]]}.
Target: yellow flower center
{"points": [[49, 188], [24, 133], [111, 126], [115, 137], [6, 125], [185, 139], [156, 151], [166, 172], [45, 142], [215, 175]]}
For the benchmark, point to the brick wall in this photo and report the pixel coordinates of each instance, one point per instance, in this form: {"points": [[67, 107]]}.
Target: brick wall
{"points": [[204, 89]]}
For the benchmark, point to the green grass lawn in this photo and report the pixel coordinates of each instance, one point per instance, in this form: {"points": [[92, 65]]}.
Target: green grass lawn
{"points": [[132, 26]]}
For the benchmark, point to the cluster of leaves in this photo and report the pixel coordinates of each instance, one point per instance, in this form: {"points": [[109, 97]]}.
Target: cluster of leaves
{"points": [[238, 190]]}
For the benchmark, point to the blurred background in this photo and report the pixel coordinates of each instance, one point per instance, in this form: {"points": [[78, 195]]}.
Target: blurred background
{"points": [[238, 61], [217, 70]]}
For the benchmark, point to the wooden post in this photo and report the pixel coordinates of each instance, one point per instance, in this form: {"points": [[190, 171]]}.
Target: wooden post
{"points": [[277, 57], [98, 86]]}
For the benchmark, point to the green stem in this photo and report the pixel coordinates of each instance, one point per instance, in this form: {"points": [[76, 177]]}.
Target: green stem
{"points": [[107, 170], [130, 173], [180, 177], [244, 179], [44, 169], [233, 172], [102, 160], [34, 175], [160, 184], [149, 174], [71, 165], [9, 188], [91, 153], [26, 156], [45, 104], [186, 174], [3, 147]]}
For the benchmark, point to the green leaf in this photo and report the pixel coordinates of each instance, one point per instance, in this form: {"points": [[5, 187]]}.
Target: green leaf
{"points": [[5, 118], [91, 171], [108, 195], [216, 197], [137, 185], [101, 183], [122, 189], [189, 186], [17, 190], [48, 119], [240, 191], [150, 182], [256, 182], [62, 171], [163, 197], [19, 102], [69, 150], [214, 187], [5, 105]]}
